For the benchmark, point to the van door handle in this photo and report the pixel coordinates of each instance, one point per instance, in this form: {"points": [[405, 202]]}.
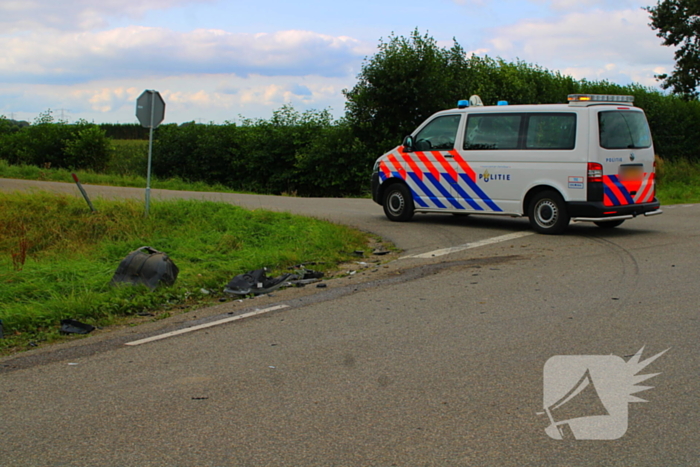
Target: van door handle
{"points": [[449, 156]]}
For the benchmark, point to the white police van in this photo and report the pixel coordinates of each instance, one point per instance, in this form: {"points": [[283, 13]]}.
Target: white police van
{"points": [[589, 160]]}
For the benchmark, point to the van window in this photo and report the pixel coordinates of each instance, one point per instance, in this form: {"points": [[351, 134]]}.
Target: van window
{"points": [[439, 134], [492, 131], [551, 131], [621, 129]]}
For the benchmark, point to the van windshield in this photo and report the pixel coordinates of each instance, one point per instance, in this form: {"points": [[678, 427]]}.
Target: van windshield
{"points": [[620, 129]]}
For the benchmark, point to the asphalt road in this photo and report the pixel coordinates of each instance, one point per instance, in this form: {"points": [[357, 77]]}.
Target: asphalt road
{"points": [[438, 360]]}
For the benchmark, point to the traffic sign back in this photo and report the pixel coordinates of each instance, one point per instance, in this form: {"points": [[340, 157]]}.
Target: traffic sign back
{"points": [[150, 109]]}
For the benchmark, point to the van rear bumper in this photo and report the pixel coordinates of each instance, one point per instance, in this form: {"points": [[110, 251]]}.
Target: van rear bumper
{"points": [[587, 211]]}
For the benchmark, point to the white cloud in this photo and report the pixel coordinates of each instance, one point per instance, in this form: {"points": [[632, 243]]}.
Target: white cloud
{"points": [[586, 44], [68, 56], [477, 3], [137, 51], [103, 99], [212, 97], [583, 5], [558, 6], [22, 15]]}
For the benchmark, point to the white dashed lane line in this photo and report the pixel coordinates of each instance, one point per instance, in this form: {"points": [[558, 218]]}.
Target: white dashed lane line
{"points": [[206, 325], [467, 246]]}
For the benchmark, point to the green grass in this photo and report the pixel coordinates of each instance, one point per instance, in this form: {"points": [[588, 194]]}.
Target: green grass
{"points": [[678, 182], [30, 172], [71, 255]]}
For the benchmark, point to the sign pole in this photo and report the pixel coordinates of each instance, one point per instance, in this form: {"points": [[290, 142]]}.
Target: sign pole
{"points": [[150, 110], [150, 155]]}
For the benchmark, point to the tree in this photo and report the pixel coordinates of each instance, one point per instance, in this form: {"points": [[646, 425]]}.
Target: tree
{"points": [[409, 79], [678, 24], [406, 81]]}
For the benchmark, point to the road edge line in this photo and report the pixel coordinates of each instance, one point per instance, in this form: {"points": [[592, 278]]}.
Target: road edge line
{"points": [[205, 325], [467, 246]]}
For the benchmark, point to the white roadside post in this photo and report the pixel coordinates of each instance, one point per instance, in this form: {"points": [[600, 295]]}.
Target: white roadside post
{"points": [[150, 110]]}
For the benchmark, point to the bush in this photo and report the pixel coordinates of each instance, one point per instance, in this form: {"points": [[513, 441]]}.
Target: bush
{"points": [[336, 163], [125, 131], [296, 153], [88, 148], [128, 157], [10, 126], [59, 145], [194, 152]]}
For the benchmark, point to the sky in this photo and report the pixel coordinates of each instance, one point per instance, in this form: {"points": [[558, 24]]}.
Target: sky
{"points": [[215, 61]]}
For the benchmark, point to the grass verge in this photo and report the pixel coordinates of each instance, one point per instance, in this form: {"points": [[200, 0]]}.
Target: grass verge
{"points": [[678, 182], [57, 258], [30, 172]]}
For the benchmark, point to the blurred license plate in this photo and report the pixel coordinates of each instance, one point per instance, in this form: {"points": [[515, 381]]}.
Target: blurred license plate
{"points": [[631, 172]]}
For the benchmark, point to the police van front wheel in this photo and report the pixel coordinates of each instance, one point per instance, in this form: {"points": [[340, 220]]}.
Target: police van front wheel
{"points": [[398, 203], [547, 213]]}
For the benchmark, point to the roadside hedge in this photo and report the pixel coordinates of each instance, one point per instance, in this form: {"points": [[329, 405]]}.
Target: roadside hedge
{"points": [[305, 154], [58, 145], [125, 130]]}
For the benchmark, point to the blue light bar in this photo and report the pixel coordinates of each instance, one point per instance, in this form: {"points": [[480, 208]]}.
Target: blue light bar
{"points": [[462, 104]]}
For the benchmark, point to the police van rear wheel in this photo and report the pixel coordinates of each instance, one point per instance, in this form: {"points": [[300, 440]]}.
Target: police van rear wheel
{"points": [[609, 224], [547, 213], [398, 203]]}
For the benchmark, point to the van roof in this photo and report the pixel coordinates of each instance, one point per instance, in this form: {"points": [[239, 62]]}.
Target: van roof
{"points": [[540, 107]]}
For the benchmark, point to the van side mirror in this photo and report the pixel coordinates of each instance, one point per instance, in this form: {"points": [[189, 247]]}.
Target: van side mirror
{"points": [[408, 143]]}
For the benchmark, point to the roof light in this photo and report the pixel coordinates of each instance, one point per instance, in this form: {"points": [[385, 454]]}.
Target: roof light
{"points": [[502, 103], [475, 101], [462, 104], [573, 98]]}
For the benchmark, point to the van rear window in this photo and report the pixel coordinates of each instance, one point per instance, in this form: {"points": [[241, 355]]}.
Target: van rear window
{"points": [[623, 129]]}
